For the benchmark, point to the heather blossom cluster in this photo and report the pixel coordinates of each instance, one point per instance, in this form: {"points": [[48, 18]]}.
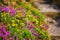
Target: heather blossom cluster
{"points": [[22, 23], [30, 27], [3, 33], [7, 9]]}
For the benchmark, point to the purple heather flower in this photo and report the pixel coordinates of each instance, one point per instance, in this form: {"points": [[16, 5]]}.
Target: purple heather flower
{"points": [[29, 39], [16, 38], [34, 33], [1, 8], [12, 11], [4, 38], [23, 39], [7, 33], [29, 25], [21, 9], [2, 25], [3, 32], [5, 9], [12, 38], [3, 28], [45, 26]]}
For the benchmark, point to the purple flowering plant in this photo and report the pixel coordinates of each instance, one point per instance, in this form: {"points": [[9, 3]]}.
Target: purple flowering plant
{"points": [[22, 23], [3, 33]]}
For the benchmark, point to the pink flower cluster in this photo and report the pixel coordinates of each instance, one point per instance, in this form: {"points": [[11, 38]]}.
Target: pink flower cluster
{"points": [[3, 33], [11, 10]]}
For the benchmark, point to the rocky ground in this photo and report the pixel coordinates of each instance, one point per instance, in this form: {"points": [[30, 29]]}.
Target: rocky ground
{"points": [[50, 13], [54, 28]]}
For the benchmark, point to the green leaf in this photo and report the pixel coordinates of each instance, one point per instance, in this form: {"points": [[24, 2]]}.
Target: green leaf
{"points": [[37, 13], [12, 31]]}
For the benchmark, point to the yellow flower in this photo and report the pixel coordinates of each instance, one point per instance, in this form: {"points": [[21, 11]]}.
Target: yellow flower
{"points": [[9, 25], [2, 15], [36, 22], [13, 21], [22, 23], [16, 25], [18, 15], [41, 23], [17, 20], [17, 30], [23, 1], [13, 24], [5, 18]]}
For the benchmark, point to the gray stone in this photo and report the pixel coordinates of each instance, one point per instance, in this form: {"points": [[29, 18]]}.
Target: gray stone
{"points": [[50, 12]]}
